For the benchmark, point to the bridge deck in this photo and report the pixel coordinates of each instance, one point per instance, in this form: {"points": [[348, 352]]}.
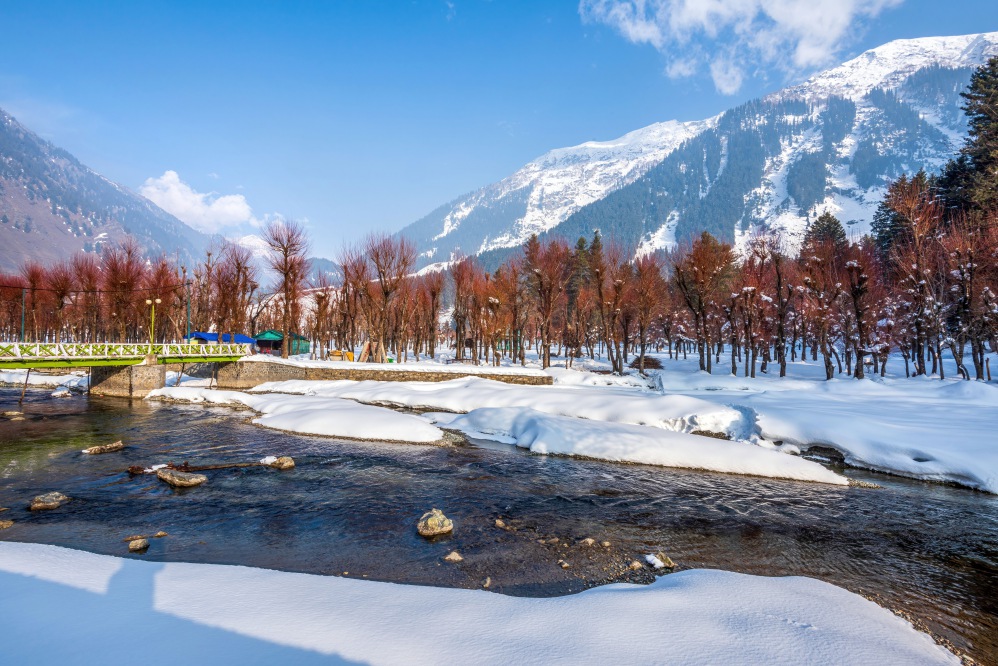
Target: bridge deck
{"points": [[15, 355]]}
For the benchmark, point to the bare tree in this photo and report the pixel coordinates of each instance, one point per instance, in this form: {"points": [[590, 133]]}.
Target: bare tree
{"points": [[288, 244]]}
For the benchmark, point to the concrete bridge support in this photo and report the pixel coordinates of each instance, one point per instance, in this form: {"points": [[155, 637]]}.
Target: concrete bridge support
{"points": [[127, 381]]}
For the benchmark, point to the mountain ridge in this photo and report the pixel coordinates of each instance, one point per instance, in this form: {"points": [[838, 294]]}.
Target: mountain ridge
{"points": [[832, 142]]}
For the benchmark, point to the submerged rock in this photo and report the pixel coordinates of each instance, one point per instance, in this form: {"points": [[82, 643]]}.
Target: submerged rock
{"points": [[284, 462], [563, 564], [4, 524], [605, 544], [180, 479], [105, 448], [138, 545], [434, 522], [454, 556], [588, 541], [159, 535], [48, 501], [500, 523]]}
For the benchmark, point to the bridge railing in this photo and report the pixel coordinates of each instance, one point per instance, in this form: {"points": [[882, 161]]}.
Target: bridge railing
{"points": [[104, 350]]}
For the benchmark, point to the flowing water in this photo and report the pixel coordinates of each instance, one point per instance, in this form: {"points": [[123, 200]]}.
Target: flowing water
{"points": [[349, 508]]}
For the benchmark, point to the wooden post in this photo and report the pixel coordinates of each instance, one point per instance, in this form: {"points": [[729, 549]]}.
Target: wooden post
{"points": [[25, 387]]}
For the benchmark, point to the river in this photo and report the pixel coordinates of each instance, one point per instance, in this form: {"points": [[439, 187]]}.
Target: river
{"points": [[349, 508]]}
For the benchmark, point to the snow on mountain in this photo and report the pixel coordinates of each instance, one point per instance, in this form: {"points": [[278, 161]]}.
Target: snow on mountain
{"points": [[256, 245], [889, 65], [549, 189], [832, 143]]}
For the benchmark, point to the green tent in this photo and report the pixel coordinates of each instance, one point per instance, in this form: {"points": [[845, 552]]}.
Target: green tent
{"points": [[270, 342]]}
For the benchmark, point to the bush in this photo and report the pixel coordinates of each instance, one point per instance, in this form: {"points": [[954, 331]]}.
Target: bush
{"points": [[651, 363]]}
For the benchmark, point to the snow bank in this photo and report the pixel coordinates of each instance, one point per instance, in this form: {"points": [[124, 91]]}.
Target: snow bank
{"points": [[544, 433], [311, 415], [921, 428], [616, 405], [69, 381], [231, 614], [426, 365]]}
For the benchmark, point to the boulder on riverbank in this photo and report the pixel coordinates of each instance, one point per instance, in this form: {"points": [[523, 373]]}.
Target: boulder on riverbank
{"points": [[284, 462], [48, 501], [180, 479], [105, 448], [433, 523]]}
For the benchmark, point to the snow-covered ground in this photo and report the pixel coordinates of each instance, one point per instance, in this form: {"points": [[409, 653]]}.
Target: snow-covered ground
{"points": [[69, 381], [566, 435], [923, 428], [331, 417], [424, 365], [66, 606]]}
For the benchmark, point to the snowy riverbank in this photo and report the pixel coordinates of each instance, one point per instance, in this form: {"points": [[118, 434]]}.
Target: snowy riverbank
{"points": [[923, 428], [102, 607], [330, 417]]}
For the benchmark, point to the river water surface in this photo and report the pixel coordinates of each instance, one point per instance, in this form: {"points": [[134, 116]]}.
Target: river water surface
{"points": [[349, 508]]}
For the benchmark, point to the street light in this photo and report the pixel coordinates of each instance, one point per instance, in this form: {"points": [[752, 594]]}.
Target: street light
{"points": [[152, 318]]}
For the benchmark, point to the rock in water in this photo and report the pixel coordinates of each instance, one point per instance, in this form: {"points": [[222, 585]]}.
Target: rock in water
{"points": [[138, 545], [47, 501], [160, 534], [105, 448], [588, 541], [4, 524], [434, 522], [660, 561], [284, 462], [454, 556], [180, 479]]}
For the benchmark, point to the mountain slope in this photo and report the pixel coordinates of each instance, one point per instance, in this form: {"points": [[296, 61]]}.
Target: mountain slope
{"points": [[830, 143], [52, 206]]}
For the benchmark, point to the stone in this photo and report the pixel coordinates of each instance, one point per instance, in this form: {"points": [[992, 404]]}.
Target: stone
{"points": [[605, 544], [138, 545], [454, 556], [635, 565], [134, 537], [16, 418], [180, 479], [12, 412], [47, 501], [159, 535], [666, 561], [434, 522], [3, 508], [105, 448], [4, 524], [284, 462], [563, 564], [588, 541], [500, 523], [487, 582]]}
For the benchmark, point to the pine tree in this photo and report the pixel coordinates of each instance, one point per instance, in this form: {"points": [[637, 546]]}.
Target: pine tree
{"points": [[826, 229], [971, 181]]}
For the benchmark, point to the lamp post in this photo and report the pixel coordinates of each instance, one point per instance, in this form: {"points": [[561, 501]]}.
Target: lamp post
{"points": [[152, 319]]}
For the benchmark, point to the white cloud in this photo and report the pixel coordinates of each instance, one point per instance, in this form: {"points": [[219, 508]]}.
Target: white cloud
{"points": [[208, 212], [731, 36]]}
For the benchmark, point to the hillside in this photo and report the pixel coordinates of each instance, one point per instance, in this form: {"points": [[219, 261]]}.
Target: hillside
{"points": [[52, 206]]}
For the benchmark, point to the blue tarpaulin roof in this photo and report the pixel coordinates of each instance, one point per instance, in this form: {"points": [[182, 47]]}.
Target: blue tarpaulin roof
{"points": [[213, 337]]}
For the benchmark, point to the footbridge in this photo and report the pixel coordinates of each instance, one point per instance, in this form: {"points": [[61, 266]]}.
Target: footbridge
{"points": [[127, 370], [21, 355]]}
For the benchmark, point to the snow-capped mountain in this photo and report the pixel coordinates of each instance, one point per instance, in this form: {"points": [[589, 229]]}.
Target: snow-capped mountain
{"points": [[830, 143]]}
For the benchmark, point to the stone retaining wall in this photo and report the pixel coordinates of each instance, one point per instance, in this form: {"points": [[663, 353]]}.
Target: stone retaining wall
{"points": [[247, 375], [126, 381]]}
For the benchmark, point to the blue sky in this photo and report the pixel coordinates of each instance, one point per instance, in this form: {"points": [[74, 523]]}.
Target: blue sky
{"points": [[360, 116]]}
